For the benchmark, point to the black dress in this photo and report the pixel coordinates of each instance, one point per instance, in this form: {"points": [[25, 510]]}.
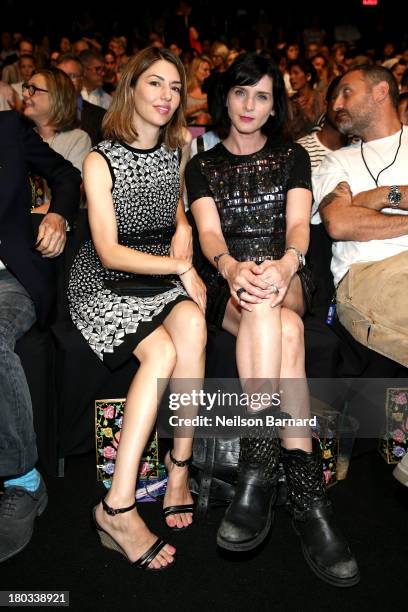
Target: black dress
{"points": [[250, 194], [145, 194]]}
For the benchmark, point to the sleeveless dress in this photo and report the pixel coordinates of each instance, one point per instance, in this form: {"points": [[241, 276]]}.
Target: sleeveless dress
{"points": [[145, 194], [250, 194]]}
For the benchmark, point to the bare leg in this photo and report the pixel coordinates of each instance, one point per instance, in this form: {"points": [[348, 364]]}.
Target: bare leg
{"points": [[157, 357], [258, 349], [277, 338], [187, 329]]}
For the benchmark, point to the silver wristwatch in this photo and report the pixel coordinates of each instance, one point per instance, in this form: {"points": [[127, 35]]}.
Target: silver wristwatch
{"points": [[394, 196], [300, 256]]}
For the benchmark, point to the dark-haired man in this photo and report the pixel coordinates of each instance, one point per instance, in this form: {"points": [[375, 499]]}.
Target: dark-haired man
{"points": [[363, 195], [27, 288]]}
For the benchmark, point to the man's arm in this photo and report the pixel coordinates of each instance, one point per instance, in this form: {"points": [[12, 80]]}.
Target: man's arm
{"points": [[346, 220], [64, 181], [377, 199]]}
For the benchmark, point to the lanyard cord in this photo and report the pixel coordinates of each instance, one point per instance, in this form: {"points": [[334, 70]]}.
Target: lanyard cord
{"points": [[386, 167]]}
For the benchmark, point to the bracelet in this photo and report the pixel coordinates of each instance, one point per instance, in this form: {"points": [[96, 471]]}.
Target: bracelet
{"points": [[188, 270], [218, 257]]}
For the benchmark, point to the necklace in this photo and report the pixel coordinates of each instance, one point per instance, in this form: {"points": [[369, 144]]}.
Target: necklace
{"points": [[386, 167]]}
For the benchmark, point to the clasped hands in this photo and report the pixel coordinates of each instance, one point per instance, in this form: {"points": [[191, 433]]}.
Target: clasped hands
{"points": [[269, 280]]}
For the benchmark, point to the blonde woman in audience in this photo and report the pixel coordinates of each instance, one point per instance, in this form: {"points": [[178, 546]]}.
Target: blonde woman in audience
{"points": [[197, 106]]}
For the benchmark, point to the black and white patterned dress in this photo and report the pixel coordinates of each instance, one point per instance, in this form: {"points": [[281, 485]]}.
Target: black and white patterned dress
{"points": [[145, 194]]}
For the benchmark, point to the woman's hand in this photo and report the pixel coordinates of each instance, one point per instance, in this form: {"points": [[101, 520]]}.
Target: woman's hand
{"points": [[245, 275], [181, 246], [278, 275], [195, 288]]}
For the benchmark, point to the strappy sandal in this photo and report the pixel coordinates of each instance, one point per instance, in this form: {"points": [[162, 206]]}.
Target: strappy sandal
{"points": [[181, 508], [106, 540]]}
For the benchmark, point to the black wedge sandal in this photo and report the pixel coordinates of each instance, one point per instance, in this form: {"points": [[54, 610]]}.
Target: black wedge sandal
{"points": [[181, 508], [108, 541]]}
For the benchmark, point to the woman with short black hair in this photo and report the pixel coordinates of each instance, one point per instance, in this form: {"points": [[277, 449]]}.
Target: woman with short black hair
{"points": [[251, 196]]}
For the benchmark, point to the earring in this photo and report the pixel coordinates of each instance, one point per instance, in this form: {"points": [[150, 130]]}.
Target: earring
{"points": [[272, 113]]}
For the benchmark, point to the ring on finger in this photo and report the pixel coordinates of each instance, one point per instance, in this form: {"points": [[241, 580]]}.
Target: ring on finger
{"points": [[274, 288], [239, 292]]}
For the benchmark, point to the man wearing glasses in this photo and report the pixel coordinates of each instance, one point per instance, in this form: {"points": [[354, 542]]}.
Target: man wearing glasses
{"points": [[26, 296], [94, 69], [90, 116]]}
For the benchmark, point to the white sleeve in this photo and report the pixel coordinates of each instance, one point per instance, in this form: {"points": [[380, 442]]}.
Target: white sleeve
{"points": [[193, 148], [329, 174]]}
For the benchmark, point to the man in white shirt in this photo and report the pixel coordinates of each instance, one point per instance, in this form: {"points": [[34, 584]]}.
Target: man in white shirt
{"points": [[94, 69], [363, 195]]}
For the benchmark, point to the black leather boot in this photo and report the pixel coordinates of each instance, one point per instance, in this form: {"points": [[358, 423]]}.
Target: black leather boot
{"points": [[324, 547], [248, 519]]}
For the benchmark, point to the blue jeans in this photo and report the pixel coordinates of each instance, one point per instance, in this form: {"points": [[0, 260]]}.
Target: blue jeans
{"points": [[18, 451]]}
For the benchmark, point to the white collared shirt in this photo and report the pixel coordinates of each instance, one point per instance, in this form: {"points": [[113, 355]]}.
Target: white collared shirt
{"points": [[97, 96]]}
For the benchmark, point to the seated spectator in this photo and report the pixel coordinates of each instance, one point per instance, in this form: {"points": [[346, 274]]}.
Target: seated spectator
{"points": [[155, 40], [303, 77], [79, 46], [254, 230], [50, 102], [219, 56], [398, 71], [311, 102], [321, 64], [7, 52], [194, 40], [197, 107], [232, 56], [26, 296], [118, 45], [320, 143], [292, 52], [90, 116], [312, 50], [110, 78], [11, 74], [8, 97], [65, 45], [363, 199], [94, 70], [338, 54], [26, 67], [175, 49], [54, 57]]}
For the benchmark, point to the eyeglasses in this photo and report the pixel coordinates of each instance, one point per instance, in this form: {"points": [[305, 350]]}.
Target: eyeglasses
{"points": [[32, 89]]}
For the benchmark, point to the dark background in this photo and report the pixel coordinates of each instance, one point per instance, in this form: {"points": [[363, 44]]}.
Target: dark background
{"points": [[280, 20]]}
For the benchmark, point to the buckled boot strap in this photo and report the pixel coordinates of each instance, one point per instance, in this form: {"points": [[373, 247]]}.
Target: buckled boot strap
{"points": [[206, 480]]}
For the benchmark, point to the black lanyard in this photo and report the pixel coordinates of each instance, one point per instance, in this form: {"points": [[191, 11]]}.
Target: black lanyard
{"points": [[386, 167]]}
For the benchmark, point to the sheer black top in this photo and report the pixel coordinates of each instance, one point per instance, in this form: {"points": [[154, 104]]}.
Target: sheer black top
{"points": [[250, 194]]}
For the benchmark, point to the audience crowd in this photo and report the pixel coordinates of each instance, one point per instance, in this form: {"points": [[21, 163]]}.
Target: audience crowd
{"points": [[346, 107]]}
